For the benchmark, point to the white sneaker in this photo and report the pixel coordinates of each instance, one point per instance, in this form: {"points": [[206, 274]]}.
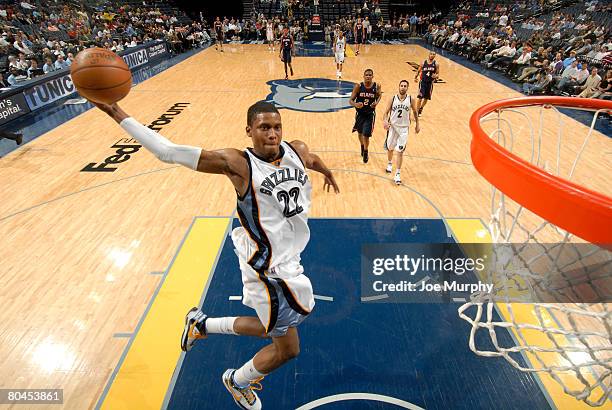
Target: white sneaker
{"points": [[190, 331], [389, 168], [397, 179], [245, 398]]}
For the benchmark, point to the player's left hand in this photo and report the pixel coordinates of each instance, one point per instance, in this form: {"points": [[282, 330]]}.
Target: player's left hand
{"points": [[330, 182], [417, 128]]}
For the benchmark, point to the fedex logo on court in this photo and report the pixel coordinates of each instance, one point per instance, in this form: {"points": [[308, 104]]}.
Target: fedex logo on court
{"points": [[126, 147]]}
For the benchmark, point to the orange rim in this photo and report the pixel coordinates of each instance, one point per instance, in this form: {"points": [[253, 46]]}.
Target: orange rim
{"points": [[581, 211]]}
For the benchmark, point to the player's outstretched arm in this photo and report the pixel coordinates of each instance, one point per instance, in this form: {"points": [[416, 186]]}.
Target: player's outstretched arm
{"points": [[312, 161], [416, 76], [229, 161]]}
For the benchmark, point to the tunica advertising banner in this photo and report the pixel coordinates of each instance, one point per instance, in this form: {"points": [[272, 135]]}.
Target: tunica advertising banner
{"points": [[47, 89]]}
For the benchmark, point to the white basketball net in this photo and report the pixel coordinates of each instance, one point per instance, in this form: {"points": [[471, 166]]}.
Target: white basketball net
{"points": [[542, 274]]}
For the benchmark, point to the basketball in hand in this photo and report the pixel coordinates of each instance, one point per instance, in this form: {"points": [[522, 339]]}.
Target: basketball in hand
{"points": [[101, 75]]}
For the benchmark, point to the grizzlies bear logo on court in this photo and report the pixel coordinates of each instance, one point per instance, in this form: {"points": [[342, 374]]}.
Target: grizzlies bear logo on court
{"points": [[311, 94]]}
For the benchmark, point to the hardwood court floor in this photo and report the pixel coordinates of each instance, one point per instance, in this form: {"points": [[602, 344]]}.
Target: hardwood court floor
{"points": [[78, 248]]}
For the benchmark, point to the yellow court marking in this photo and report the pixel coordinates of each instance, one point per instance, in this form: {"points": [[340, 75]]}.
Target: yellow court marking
{"points": [[145, 374], [349, 51], [473, 232]]}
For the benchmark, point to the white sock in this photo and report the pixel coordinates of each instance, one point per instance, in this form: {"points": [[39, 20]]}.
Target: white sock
{"points": [[246, 374], [397, 172], [221, 325]]}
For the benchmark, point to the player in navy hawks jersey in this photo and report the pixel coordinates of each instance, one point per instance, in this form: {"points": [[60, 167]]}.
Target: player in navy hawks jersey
{"points": [[430, 71], [286, 50], [273, 190], [365, 97], [359, 32], [218, 26]]}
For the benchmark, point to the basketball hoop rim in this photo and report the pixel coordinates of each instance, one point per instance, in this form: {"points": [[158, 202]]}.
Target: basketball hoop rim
{"points": [[576, 209]]}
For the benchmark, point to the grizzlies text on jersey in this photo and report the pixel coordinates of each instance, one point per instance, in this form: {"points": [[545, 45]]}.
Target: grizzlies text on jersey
{"points": [[274, 210]]}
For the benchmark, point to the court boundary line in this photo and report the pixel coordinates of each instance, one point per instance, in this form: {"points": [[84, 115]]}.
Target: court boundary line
{"points": [[384, 153], [403, 185], [179, 364], [334, 398], [113, 376]]}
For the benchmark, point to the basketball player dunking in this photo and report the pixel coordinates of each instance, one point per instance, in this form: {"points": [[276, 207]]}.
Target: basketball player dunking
{"points": [[429, 71], [339, 50], [365, 97], [360, 35], [397, 124], [218, 26], [273, 190], [286, 50]]}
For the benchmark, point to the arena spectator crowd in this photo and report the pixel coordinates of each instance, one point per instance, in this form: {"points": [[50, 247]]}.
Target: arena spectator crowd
{"points": [[38, 37], [548, 48], [297, 14]]}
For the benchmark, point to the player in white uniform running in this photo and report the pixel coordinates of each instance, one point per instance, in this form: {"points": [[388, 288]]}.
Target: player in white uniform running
{"points": [[270, 35], [397, 124], [273, 191], [339, 51]]}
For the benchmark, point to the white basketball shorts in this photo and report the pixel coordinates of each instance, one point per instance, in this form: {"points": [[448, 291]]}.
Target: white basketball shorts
{"points": [[397, 138]]}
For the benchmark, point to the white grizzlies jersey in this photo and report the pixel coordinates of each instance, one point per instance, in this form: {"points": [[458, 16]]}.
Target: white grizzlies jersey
{"points": [[274, 211], [400, 111], [340, 45]]}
